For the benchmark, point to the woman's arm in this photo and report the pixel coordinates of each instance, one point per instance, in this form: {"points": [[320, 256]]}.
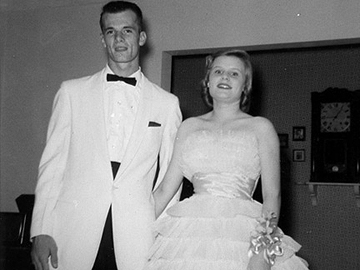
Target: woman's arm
{"points": [[173, 176], [269, 151]]}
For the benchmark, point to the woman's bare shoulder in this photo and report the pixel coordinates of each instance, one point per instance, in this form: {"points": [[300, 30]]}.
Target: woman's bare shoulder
{"points": [[195, 122], [265, 129], [190, 125], [262, 123]]}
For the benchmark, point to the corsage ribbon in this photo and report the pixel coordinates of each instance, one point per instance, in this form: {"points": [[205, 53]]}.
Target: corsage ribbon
{"points": [[266, 237]]}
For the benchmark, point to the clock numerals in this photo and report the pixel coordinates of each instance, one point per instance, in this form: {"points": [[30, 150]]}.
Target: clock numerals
{"points": [[335, 117]]}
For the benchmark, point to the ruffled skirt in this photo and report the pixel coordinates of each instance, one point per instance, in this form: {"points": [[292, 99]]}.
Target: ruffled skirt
{"points": [[209, 232]]}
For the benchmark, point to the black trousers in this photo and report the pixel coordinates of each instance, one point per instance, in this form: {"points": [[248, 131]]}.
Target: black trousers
{"points": [[105, 259]]}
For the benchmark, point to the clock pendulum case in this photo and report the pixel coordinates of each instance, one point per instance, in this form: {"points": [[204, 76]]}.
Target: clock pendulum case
{"points": [[335, 135]]}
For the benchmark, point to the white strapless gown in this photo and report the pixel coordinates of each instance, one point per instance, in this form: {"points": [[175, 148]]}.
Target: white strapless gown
{"points": [[211, 229]]}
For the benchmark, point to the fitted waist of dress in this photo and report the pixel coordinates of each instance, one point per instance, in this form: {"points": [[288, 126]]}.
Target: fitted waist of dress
{"points": [[223, 185]]}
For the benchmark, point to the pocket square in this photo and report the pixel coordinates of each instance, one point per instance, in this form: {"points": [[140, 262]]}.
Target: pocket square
{"points": [[154, 124]]}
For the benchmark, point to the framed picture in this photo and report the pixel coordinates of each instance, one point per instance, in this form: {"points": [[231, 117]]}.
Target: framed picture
{"points": [[299, 133], [284, 140], [299, 155]]}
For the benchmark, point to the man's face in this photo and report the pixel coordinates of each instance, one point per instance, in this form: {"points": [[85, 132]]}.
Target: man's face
{"points": [[122, 37]]}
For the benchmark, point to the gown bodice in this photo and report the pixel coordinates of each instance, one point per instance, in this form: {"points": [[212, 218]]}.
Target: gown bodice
{"points": [[222, 163]]}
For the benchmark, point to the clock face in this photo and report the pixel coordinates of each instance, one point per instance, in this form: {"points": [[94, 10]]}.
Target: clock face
{"points": [[335, 117]]}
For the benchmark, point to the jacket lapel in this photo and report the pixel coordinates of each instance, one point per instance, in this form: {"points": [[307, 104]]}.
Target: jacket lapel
{"points": [[98, 116], [140, 125]]}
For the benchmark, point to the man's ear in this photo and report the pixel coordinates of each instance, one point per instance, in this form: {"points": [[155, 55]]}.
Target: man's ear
{"points": [[142, 39], [102, 40]]}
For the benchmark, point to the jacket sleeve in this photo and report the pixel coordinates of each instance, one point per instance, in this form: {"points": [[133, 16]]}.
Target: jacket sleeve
{"points": [[172, 124], [52, 165]]}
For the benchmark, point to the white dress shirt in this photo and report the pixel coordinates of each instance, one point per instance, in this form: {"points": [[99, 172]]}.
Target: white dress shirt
{"points": [[121, 102]]}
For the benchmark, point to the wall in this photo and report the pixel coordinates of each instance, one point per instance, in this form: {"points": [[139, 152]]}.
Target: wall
{"points": [[44, 42], [41, 48]]}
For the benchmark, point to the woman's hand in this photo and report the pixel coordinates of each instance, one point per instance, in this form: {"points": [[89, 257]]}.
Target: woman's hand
{"points": [[257, 262]]}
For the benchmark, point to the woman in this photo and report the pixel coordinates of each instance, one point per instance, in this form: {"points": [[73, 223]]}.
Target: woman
{"points": [[224, 153]]}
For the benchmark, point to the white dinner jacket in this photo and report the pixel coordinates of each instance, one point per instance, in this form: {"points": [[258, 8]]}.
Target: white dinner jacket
{"points": [[75, 185]]}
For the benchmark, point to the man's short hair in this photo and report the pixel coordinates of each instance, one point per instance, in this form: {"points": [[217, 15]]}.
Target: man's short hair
{"points": [[120, 6]]}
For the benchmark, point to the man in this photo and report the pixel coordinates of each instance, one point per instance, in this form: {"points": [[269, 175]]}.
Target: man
{"points": [[87, 215]]}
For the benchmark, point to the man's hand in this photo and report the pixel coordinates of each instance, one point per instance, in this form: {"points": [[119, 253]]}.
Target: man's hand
{"points": [[43, 247]]}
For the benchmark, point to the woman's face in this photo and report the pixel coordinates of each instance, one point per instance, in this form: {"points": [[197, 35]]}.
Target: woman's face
{"points": [[227, 79]]}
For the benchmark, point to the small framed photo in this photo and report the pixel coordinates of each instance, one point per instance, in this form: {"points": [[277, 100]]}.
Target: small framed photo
{"points": [[299, 133], [299, 155], [284, 140]]}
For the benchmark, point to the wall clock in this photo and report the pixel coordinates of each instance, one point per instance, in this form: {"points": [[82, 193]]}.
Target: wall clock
{"points": [[335, 117], [335, 136]]}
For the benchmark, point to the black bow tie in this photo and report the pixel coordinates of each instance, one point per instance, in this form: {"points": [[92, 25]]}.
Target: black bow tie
{"points": [[114, 78]]}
